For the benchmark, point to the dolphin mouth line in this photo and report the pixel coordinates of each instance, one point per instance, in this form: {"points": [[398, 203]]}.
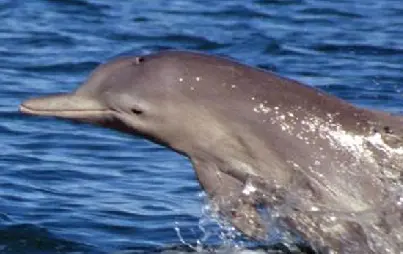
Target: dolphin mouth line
{"points": [[24, 109]]}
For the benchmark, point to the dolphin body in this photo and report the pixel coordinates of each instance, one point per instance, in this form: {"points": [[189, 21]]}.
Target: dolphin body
{"points": [[327, 170]]}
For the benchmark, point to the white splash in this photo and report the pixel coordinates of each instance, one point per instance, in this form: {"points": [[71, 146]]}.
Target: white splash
{"points": [[248, 189]]}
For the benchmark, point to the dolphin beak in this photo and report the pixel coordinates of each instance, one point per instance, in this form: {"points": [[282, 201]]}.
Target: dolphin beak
{"points": [[69, 106]]}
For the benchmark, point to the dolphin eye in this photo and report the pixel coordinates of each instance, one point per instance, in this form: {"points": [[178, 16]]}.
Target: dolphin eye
{"points": [[136, 111]]}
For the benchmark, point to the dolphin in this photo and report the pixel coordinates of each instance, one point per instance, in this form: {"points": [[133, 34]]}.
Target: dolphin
{"points": [[325, 170]]}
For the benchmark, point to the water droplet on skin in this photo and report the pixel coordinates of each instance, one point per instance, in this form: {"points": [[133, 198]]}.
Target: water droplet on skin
{"points": [[264, 109], [315, 209], [249, 188]]}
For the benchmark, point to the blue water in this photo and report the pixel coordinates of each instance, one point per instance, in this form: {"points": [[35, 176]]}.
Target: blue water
{"points": [[67, 188]]}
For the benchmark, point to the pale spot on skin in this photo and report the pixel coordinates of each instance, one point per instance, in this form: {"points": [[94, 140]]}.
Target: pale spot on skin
{"points": [[198, 79], [192, 88], [180, 79], [233, 86]]}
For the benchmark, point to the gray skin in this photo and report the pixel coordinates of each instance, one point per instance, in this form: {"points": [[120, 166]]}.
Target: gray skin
{"points": [[242, 127]]}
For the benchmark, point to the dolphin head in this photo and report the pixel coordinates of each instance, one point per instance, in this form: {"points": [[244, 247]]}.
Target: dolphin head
{"points": [[142, 95]]}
